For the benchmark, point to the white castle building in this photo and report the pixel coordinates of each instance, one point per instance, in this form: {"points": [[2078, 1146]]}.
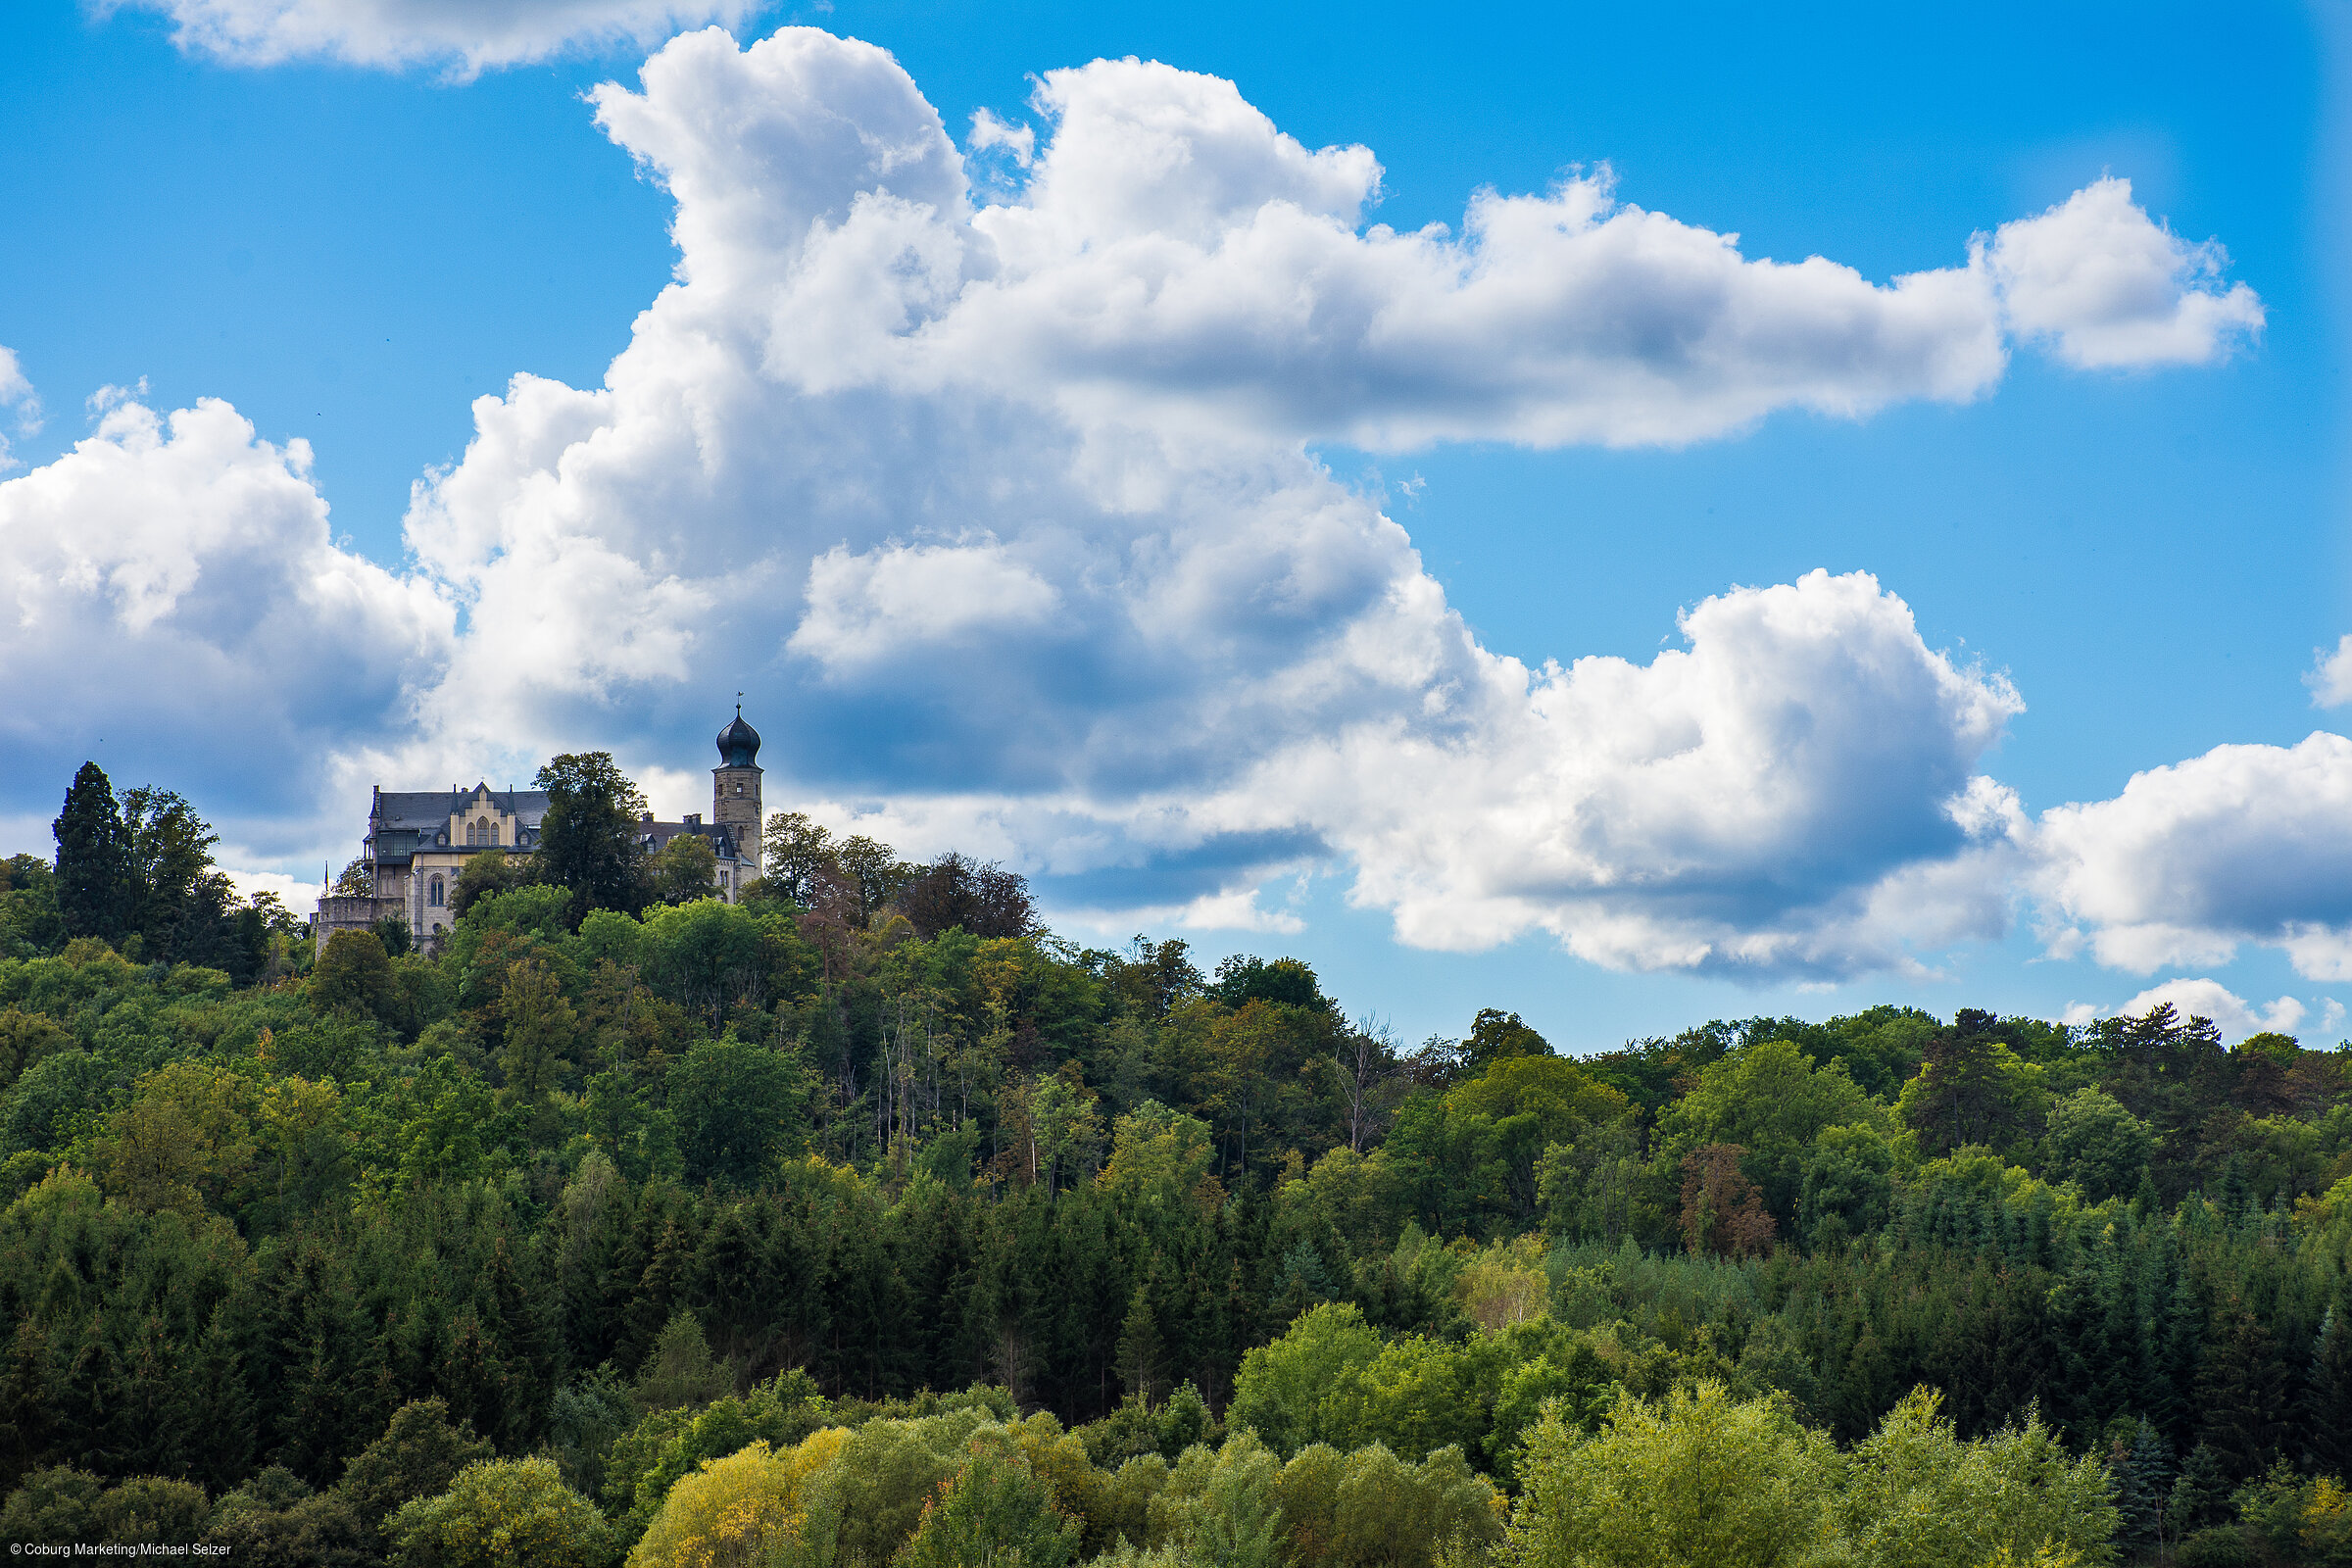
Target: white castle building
{"points": [[418, 842]]}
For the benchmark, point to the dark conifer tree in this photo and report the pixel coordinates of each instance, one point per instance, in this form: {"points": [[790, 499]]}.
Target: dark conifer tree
{"points": [[29, 1417], [2139, 1468], [724, 1284], [1142, 1356], [2241, 1390], [2201, 1495], [2327, 1419], [655, 1296], [527, 1343], [467, 1375], [96, 892], [326, 1390], [220, 1405]]}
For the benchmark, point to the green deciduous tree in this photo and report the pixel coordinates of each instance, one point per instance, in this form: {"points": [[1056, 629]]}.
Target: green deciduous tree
{"points": [[1770, 1099], [1290, 1391], [184, 1142], [1495, 1035], [1919, 1493], [354, 978], [542, 1031], [1971, 1089], [1701, 1478], [506, 1513], [483, 875], [419, 1455], [588, 839], [794, 853], [1371, 1509], [182, 904], [739, 1107], [2095, 1143], [995, 1513], [30, 923], [686, 870]]}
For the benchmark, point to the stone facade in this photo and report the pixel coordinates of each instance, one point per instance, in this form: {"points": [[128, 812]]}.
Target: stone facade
{"points": [[347, 912]]}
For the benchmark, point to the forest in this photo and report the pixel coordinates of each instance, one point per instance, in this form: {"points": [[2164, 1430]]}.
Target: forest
{"points": [[866, 1221]]}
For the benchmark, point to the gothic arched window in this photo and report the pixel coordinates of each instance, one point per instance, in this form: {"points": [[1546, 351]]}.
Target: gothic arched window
{"points": [[433, 893]]}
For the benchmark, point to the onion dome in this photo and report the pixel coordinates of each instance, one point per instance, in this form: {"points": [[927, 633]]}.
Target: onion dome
{"points": [[738, 743]]}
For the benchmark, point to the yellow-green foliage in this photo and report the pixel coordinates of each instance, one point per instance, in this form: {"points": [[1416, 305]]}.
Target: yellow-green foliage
{"points": [[1504, 1283], [1918, 1493], [865, 1507], [1370, 1509], [997, 1509], [503, 1514], [1706, 1477], [1701, 1478], [745, 1509], [1222, 1507], [1416, 1395], [1284, 1390]]}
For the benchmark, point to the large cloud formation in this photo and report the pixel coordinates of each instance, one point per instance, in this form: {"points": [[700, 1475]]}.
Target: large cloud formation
{"points": [[171, 585], [2246, 844], [1008, 512]]}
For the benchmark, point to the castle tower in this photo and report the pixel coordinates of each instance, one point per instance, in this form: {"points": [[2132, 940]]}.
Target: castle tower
{"points": [[735, 786]]}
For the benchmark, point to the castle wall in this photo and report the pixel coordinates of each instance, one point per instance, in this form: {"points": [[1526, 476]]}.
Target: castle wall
{"points": [[353, 911]]}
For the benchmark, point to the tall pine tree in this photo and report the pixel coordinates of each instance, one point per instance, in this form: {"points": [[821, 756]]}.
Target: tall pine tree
{"points": [[2327, 1425], [97, 891], [1141, 1353]]}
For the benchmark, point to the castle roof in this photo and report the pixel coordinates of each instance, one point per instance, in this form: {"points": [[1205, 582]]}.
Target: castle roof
{"points": [[404, 821], [738, 743], [655, 836], [432, 809]]}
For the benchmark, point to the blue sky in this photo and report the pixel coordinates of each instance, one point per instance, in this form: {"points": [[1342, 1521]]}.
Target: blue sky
{"points": [[350, 252]]}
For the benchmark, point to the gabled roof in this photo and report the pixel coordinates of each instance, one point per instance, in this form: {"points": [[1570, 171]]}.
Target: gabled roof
{"points": [[430, 811]]}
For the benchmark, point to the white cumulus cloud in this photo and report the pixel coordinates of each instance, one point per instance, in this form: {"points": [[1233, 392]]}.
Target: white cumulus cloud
{"points": [[170, 587], [2331, 675], [469, 34], [2110, 289], [1007, 514], [911, 602], [1777, 797], [2243, 844]]}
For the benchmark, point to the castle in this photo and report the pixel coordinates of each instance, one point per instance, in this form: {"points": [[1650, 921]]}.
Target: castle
{"points": [[419, 842]]}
